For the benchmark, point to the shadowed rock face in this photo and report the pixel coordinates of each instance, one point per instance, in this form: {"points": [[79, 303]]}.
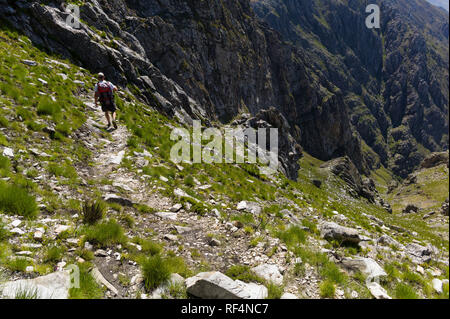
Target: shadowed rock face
{"points": [[395, 80]]}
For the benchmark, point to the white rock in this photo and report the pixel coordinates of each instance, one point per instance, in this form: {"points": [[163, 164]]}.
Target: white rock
{"points": [[38, 235], [24, 253], [117, 159], [100, 253], [330, 230], [170, 237], [53, 286], [17, 231], [181, 193], [420, 270], [269, 273], [29, 62], [72, 241], [437, 285], [8, 152], [88, 246], [16, 223], [367, 266], [61, 228], [377, 291], [175, 208], [29, 268], [167, 215], [215, 285], [42, 81], [164, 179], [97, 275]]}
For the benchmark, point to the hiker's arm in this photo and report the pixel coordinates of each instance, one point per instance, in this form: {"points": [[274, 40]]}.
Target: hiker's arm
{"points": [[96, 98]]}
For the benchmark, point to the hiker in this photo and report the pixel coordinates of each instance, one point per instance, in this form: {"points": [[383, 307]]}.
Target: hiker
{"points": [[104, 92]]}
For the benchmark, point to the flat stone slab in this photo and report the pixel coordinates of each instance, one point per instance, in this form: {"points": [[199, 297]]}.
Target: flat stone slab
{"points": [[215, 285], [53, 286]]}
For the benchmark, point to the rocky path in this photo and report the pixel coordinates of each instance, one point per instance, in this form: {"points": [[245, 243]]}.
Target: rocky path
{"points": [[108, 154]]}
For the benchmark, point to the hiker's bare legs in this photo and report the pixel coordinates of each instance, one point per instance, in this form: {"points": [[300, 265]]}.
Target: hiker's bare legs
{"points": [[114, 116], [108, 118]]}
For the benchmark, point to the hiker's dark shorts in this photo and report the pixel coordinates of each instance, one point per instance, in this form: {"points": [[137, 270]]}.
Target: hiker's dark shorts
{"points": [[109, 108]]}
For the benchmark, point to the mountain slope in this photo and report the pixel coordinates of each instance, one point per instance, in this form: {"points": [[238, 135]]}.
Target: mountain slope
{"points": [[395, 80], [152, 215]]}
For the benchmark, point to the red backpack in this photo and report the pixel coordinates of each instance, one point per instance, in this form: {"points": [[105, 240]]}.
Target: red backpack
{"points": [[105, 93]]}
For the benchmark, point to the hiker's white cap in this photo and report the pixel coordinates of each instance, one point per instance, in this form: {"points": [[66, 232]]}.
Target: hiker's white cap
{"points": [[101, 75]]}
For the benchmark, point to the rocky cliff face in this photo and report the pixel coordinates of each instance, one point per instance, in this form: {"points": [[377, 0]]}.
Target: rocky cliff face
{"points": [[334, 80], [394, 80]]}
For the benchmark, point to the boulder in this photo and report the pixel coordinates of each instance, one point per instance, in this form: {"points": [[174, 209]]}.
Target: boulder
{"points": [[410, 208], [435, 159], [437, 285], [167, 215], [249, 207], [333, 231], [367, 266], [53, 286], [98, 277], [113, 198], [388, 241], [215, 285], [8, 152], [269, 273], [419, 254], [377, 291]]}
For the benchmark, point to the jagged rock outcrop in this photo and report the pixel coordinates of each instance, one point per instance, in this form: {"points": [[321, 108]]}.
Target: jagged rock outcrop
{"points": [[435, 159], [344, 168], [333, 231], [394, 80]]}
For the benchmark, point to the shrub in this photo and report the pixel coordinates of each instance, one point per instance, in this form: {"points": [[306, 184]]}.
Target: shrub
{"points": [[53, 254], [243, 273], [105, 234], [293, 236], [4, 233], [403, 291], [47, 107], [155, 271], [128, 220], [26, 293], [333, 273], [16, 200], [274, 291], [18, 264], [93, 212], [150, 247], [327, 289], [89, 289]]}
